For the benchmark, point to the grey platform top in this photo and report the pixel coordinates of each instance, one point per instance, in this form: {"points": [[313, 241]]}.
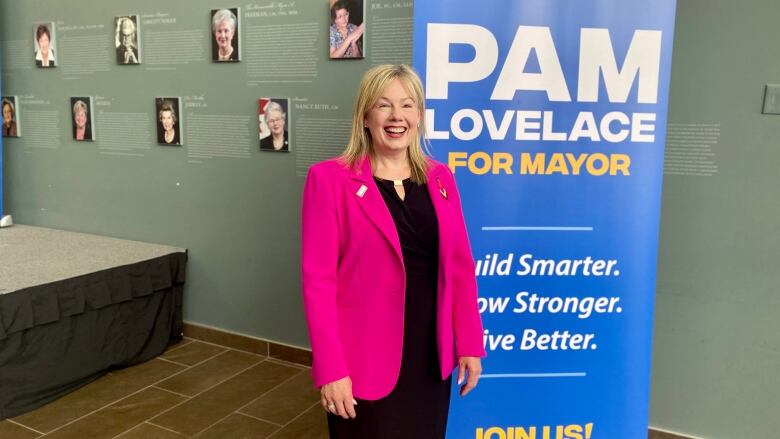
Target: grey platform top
{"points": [[32, 256]]}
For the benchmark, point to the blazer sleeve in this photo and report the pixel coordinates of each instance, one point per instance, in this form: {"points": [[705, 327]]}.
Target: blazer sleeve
{"points": [[465, 313], [319, 263]]}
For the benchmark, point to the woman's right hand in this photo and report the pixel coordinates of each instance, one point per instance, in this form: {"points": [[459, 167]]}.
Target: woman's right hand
{"points": [[336, 397], [358, 32]]}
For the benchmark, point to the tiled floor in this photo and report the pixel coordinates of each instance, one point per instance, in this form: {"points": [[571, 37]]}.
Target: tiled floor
{"points": [[195, 389]]}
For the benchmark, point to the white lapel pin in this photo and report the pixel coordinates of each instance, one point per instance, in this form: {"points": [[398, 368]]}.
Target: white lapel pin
{"points": [[362, 190], [442, 190]]}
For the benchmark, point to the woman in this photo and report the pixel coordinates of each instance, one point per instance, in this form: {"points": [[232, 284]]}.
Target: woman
{"points": [[276, 119], [223, 25], [9, 124], [126, 41], [81, 126], [167, 117], [388, 277], [344, 36], [44, 57]]}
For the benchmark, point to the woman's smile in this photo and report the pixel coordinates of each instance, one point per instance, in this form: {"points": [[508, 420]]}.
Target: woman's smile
{"points": [[393, 120]]}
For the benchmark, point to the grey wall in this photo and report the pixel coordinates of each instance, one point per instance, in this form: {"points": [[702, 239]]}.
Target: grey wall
{"points": [[717, 338], [238, 216], [717, 343]]}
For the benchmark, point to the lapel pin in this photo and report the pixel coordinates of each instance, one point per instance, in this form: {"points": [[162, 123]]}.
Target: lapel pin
{"points": [[362, 190], [441, 188]]}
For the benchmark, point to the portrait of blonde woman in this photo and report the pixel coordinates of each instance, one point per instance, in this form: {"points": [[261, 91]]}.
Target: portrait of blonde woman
{"points": [[389, 291], [82, 120]]}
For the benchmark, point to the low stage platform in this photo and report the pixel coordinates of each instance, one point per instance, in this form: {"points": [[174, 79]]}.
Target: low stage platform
{"points": [[73, 306]]}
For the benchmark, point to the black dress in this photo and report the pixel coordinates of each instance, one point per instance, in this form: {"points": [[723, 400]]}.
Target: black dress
{"points": [[418, 405]]}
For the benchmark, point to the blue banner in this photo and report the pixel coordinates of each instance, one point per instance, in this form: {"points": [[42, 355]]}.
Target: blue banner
{"points": [[552, 114]]}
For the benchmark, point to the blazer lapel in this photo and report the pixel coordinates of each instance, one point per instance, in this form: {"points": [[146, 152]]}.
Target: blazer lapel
{"points": [[373, 204], [440, 197]]}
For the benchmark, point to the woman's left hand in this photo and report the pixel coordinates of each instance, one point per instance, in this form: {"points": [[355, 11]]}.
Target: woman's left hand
{"points": [[472, 365]]}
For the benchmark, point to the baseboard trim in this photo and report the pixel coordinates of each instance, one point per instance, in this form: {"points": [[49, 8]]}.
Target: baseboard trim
{"points": [[657, 433], [247, 343]]}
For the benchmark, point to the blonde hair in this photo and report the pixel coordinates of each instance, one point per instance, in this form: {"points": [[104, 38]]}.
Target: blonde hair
{"points": [[80, 106], [372, 85]]}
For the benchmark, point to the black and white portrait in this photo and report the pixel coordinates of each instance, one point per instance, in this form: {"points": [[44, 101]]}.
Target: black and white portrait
{"points": [[126, 40]]}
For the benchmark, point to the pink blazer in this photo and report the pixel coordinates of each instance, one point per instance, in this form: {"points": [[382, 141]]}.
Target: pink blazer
{"points": [[354, 280]]}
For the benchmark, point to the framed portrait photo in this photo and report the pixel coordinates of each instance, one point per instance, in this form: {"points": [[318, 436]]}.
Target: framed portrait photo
{"points": [[81, 118], [45, 45], [127, 40], [169, 123], [225, 44], [274, 124], [11, 126], [347, 29]]}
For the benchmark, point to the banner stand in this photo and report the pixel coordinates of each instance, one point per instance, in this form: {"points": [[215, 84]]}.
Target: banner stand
{"points": [[552, 116]]}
